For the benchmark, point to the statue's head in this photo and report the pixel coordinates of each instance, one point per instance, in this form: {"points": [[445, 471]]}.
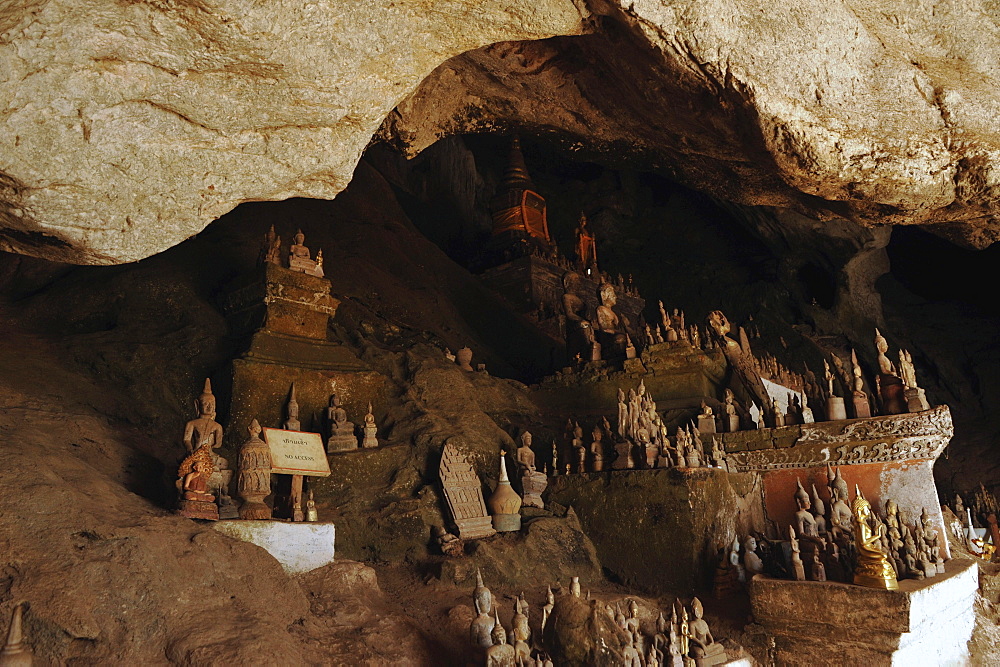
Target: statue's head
{"points": [[571, 280], [818, 503], [299, 237], [880, 343], [254, 429], [526, 439], [749, 544], [498, 634], [696, 608], [801, 497], [862, 509], [891, 507], [206, 401]]}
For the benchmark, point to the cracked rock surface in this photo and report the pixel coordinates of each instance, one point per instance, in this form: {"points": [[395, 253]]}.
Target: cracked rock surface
{"points": [[128, 127]]}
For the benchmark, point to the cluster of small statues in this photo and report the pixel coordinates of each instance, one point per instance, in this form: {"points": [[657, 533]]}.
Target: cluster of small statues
{"points": [[299, 257], [833, 541], [896, 387], [982, 541], [639, 440], [672, 329], [204, 477], [683, 639], [342, 433]]}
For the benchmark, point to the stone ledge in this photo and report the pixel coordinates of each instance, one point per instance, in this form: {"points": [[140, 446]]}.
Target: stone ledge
{"points": [[820, 623], [299, 547]]}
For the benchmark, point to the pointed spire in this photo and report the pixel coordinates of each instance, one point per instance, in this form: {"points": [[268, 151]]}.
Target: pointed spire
{"points": [[479, 579], [503, 467], [516, 173], [496, 615], [291, 396], [15, 652]]}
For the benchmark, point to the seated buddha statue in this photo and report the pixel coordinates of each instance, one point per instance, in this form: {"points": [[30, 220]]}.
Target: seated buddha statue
{"points": [[874, 569]]}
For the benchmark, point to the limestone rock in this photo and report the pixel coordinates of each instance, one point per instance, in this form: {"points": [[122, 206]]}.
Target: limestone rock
{"points": [[875, 112], [126, 128]]}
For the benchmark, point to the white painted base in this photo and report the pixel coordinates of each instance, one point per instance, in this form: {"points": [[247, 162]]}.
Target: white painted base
{"points": [[299, 547], [942, 617]]}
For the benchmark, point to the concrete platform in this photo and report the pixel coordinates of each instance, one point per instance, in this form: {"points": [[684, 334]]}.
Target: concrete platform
{"points": [[925, 622], [299, 547]]}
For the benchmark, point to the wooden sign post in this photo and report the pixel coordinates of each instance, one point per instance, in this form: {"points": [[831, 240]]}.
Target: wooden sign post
{"points": [[298, 454]]}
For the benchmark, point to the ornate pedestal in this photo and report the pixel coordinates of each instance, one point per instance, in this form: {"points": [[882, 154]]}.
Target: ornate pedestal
{"points": [[342, 442], [285, 315], [198, 509], [835, 408], [826, 623]]}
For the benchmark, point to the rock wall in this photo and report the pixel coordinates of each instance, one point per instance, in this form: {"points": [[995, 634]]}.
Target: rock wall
{"points": [[127, 127]]}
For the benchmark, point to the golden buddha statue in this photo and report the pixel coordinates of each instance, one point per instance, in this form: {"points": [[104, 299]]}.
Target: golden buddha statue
{"points": [[874, 569]]}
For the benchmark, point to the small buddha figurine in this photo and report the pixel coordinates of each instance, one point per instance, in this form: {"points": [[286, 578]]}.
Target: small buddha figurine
{"points": [[312, 514], [292, 423], [607, 319], [342, 437], [574, 586], [862, 408], [204, 431], [834, 569], [482, 595], [481, 628], [193, 475], [732, 421], [706, 420], [501, 654], [818, 571], [533, 482], [630, 352], [450, 544], [873, 569], [890, 385], [464, 359], [520, 630], [15, 652], [751, 561], [227, 508], [658, 334], [370, 429], [703, 647], [650, 340], [550, 603], [299, 258], [272, 248], [778, 413], [597, 449], [798, 568], [805, 522], [818, 511]]}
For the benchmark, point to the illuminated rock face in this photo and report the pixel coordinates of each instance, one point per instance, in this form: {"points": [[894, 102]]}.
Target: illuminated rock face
{"points": [[127, 127]]}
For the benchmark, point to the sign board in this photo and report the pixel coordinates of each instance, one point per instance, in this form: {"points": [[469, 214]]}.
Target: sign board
{"points": [[297, 453]]}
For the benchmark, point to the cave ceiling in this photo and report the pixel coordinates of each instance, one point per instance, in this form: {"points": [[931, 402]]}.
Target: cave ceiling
{"points": [[128, 127]]}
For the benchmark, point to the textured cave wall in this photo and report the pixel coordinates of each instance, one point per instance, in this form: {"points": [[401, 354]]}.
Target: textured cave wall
{"points": [[127, 127]]}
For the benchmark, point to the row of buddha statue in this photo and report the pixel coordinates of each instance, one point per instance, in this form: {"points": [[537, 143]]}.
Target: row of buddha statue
{"points": [[299, 257], [848, 543], [638, 441], [204, 477], [683, 639]]}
